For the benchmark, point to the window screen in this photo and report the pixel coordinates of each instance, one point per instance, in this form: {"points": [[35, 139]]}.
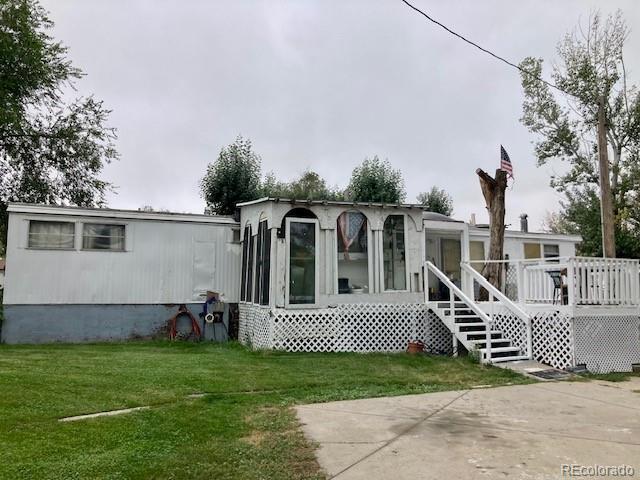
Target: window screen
{"points": [[245, 263], [394, 253], [263, 260], [51, 234], [97, 236]]}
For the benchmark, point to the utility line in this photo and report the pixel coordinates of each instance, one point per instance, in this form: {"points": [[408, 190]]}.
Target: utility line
{"points": [[497, 57]]}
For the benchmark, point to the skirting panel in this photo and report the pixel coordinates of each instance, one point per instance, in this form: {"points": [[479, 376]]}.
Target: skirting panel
{"points": [[91, 323], [552, 338], [363, 327], [607, 343]]}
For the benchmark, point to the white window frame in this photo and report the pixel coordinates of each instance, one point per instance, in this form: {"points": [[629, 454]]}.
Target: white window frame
{"points": [[370, 253], [288, 222], [407, 281]]}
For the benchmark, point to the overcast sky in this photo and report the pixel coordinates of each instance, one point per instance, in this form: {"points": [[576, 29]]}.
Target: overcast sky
{"points": [[319, 85]]}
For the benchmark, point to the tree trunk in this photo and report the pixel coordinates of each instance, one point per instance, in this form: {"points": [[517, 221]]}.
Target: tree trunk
{"points": [[493, 190], [607, 217]]}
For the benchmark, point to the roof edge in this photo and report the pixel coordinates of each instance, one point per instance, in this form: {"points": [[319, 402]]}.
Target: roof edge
{"points": [[416, 206], [34, 208]]}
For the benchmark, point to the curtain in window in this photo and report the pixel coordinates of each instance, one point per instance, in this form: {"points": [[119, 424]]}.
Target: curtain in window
{"points": [[51, 234], [349, 226]]}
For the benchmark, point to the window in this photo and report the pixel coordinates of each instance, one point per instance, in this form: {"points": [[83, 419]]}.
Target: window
{"points": [[263, 260], [395, 271], [476, 252], [353, 258], [532, 250], [245, 263], [250, 266], [451, 254], [302, 285], [551, 251], [97, 236], [58, 235]]}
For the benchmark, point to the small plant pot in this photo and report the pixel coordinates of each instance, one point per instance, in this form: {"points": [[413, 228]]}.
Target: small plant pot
{"points": [[415, 347]]}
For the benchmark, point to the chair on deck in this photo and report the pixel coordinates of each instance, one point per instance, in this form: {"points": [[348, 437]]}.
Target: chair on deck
{"points": [[560, 290]]}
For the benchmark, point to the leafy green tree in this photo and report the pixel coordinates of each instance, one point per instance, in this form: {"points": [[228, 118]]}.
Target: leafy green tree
{"points": [[309, 186], [233, 178], [436, 200], [590, 65], [274, 188], [580, 215], [375, 180], [51, 151]]}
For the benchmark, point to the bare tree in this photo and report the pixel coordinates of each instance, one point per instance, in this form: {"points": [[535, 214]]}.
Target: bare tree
{"points": [[493, 190]]}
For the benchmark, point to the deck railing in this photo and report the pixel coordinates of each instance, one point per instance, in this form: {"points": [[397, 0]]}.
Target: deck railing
{"points": [[603, 281], [574, 281]]}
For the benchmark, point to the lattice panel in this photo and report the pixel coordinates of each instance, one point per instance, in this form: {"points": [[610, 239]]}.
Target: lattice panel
{"points": [[511, 283], [255, 326], [315, 330], [381, 327], [552, 339], [511, 326], [437, 337], [607, 343]]}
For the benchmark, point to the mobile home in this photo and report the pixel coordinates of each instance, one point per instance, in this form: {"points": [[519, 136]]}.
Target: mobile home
{"points": [[319, 276]]}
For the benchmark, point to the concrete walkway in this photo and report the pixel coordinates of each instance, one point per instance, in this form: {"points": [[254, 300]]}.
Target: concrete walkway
{"points": [[524, 431]]}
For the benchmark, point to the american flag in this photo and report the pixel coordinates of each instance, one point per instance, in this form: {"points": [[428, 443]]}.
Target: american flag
{"points": [[505, 162]]}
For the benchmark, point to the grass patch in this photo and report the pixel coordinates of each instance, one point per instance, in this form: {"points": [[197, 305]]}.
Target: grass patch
{"points": [[243, 429], [611, 377]]}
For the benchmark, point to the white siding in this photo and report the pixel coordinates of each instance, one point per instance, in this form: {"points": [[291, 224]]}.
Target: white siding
{"points": [[164, 262], [514, 243]]}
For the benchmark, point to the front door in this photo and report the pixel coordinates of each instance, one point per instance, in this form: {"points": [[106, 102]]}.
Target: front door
{"points": [[451, 255], [443, 249], [302, 284]]}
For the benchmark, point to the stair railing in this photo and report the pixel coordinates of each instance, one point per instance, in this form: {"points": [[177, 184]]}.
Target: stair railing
{"points": [[454, 291], [496, 294]]}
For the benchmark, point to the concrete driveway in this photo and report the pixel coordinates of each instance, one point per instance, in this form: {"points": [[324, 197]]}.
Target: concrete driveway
{"points": [[525, 431]]}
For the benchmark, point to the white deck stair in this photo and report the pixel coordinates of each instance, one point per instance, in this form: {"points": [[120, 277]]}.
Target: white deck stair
{"points": [[472, 327]]}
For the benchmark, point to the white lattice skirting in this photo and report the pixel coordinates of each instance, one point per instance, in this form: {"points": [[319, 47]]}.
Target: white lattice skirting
{"points": [[551, 334], [607, 343], [552, 338], [364, 327]]}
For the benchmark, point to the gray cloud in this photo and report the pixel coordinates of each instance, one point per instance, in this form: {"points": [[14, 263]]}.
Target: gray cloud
{"points": [[318, 85]]}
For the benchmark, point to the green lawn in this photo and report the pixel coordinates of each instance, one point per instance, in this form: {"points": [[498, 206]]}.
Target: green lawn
{"points": [[243, 429]]}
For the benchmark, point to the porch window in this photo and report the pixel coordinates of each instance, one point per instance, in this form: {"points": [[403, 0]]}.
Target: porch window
{"points": [[263, 260], [302, 285], [353, 258], [56, 235], [97, 236], [245, 263], [394, 253]]}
